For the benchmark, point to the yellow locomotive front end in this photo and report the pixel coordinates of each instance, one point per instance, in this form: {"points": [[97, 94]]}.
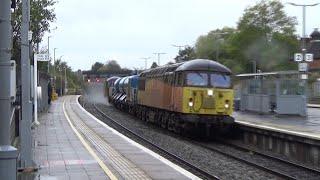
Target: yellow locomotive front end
{"points": [[209, 101], [207, 98], [207, 93]]}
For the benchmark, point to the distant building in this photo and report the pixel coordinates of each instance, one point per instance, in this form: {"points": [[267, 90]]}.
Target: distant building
{"points": [[313, 46]]}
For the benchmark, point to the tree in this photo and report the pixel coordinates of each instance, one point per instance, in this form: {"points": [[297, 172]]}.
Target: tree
{"points": [[74, 82], [41, 15], [96, 66], [185, 54], [210, 46], [266, 36], [154, 65], [269, 17], [111, 66]]}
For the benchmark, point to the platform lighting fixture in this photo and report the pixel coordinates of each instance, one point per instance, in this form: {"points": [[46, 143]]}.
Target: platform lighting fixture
{"points": [[303, 20]]}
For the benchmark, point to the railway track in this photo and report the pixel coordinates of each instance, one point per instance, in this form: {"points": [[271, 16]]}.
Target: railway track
{"points": [[283, 173], [278, 159], [192, 168], [279, 172]]}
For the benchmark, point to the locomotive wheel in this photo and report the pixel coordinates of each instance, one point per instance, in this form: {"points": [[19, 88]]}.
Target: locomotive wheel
{"points": [[171, 123], [164, 120]]}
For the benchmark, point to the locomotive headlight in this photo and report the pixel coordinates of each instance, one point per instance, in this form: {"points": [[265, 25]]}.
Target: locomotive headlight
{"points": [[190, 102], [226, 105], [210, 92]]}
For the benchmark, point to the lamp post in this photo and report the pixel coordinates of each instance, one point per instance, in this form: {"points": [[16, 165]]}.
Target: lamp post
{"points": [[48, 53], [54, 60], [65, 80], [218, 48], [60, 69], [303, 23]]}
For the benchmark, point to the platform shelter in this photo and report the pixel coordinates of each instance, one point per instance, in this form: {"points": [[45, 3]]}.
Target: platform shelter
{"points": [[282, 92]]}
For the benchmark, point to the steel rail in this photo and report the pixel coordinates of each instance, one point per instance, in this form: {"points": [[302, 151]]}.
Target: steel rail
{"points": [[237, 146], [201, 172], [266, 169]]}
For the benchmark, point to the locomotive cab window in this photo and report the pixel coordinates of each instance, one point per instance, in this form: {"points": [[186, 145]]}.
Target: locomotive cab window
{"points": [[179, 79], [197, 79], [220, 80]]}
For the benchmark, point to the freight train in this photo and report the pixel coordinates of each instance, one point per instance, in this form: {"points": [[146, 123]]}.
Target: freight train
{"points": [[195, 94]]}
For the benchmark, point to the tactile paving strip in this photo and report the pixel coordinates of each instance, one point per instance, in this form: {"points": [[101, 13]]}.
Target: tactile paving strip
{"points": [[123, 166]]}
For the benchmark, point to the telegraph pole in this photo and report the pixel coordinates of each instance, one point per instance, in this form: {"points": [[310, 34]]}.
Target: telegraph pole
{"points": [[26, 121], [146, 61], [159, 54]]}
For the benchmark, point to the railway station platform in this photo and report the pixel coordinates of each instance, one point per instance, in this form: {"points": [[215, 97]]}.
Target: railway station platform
{"points": [[70, 143], [308, 127]]}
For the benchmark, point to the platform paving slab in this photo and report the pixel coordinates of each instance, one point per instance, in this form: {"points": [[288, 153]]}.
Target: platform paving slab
{"points": [[59, 152], [123, 150]]}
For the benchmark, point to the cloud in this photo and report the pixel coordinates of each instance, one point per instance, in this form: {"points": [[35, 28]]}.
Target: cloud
{"points": [[127, 30]]}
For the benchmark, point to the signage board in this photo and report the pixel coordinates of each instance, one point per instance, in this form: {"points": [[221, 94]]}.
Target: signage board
{"points": [[304, 76], [298, 57], [42, 57], [303, 67], [309, 57]]}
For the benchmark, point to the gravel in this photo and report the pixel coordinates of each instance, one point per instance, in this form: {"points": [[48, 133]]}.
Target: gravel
{"points": [[214, 163]]}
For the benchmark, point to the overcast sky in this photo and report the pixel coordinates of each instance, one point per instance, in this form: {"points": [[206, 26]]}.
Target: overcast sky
{"points": [[127, 30]]}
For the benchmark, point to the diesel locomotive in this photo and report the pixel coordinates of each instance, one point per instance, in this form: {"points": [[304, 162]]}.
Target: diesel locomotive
{"points": [[196, 94]]}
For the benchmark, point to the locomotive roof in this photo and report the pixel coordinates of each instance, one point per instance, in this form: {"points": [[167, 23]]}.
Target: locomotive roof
{"points": [[203, 65], [192, 65]]}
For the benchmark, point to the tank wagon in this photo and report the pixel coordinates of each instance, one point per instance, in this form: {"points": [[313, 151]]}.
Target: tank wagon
{"points": [[196, 94]]}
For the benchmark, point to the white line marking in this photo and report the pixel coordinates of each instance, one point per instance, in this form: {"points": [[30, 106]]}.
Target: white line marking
{"points": [[148, 151], [87, 146], [306, 135]]}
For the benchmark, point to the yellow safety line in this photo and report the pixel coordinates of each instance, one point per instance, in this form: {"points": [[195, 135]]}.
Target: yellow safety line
{"points": [[86, 145]]}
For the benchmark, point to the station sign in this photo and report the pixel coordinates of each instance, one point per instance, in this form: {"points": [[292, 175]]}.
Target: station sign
{"points": [[304, 76], [298, 57], [309, 57], [42, 57], [303, 67]]}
